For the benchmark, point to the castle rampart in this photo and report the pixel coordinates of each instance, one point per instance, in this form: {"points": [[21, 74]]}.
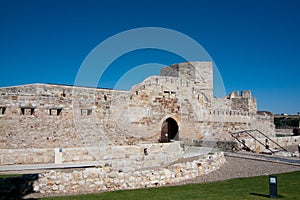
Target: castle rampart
{"points": [[178, 105]]}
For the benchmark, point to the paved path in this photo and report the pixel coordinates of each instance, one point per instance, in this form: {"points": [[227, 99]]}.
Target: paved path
{"points": [[6, 168], [196, 151], [266, 158], [191, 151]]}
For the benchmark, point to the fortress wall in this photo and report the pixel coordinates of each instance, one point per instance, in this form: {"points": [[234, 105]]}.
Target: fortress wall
{"points": [[234, 121], [27, 122], [50, 116], [94, 116], [41, 116]]}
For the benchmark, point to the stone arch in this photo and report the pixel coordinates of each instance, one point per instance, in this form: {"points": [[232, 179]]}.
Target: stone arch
{"points": [[169, 130]]}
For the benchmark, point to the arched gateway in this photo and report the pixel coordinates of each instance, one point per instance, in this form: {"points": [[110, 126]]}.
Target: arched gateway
{"points": [[169, 130]]}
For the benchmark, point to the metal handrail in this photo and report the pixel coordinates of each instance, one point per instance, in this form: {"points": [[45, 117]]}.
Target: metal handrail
{"points": [[271, 139], [259, 142], [248, 133]]}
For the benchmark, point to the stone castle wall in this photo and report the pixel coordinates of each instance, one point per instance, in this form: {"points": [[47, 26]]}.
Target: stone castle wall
{"points": [[39, 116]]}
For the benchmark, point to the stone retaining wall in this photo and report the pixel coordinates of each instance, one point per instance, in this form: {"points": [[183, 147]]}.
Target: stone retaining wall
{"points": [[125, 158], [104, 178]]}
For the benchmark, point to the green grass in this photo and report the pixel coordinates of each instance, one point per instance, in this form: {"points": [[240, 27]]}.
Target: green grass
{"points": [[241, 188], [9, 175]]}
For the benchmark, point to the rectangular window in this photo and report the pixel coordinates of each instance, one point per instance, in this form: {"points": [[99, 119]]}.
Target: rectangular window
{"points": [[86, 112], [27, 111], [55, 111]]}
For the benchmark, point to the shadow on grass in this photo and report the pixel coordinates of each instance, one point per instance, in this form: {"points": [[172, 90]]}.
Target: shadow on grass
{"points": [[260, 195], [264, 195], [17, 187]]}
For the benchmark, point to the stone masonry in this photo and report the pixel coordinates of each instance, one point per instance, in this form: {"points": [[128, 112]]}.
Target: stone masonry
{"points": [[177, 105], [104, 178]]}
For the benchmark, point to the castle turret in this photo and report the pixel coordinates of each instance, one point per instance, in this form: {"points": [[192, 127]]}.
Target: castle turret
{"points": [[200, 74]]}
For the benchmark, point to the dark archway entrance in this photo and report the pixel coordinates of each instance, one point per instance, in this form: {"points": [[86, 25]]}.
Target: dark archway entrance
{"points": [[169, 130]]}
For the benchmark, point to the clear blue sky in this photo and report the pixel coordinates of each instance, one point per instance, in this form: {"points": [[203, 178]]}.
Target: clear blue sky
{"points": [[255, 43]]}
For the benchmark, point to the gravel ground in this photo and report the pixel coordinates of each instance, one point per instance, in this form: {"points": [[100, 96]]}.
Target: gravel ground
{"points": [[240, 167]]}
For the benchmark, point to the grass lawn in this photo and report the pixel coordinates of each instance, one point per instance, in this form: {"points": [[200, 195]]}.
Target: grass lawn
{"points": [[241, 188], [9, 175]]}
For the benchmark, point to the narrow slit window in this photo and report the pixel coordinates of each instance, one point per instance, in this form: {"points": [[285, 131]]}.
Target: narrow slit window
{"points": [[168, 93], [2, 110], [63, 94], [23, 111], [59, 111], [173, 94]]}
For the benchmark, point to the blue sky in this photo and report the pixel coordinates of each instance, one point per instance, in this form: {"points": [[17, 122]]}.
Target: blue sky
{"points": [[255, 43]]}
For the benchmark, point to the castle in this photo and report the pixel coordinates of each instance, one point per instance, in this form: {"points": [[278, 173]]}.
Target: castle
{"points": [[178, 105]]}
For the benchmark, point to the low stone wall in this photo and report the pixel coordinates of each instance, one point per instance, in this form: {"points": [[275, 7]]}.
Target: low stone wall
{"points": [[104, 178], [283, 141], [222, 145], [26, 156], [125, 158], [287, 131]]}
